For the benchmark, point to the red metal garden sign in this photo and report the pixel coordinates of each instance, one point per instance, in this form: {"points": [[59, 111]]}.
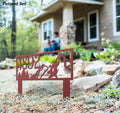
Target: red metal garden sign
{"points": [[26, 63]]}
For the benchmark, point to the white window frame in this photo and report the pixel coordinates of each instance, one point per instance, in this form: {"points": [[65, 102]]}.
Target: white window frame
{"points": [[52, 26], [114, 20], [83, 18], [97, 26]]}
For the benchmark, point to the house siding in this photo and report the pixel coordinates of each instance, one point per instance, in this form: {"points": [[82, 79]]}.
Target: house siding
{"points": [[106, 20]]}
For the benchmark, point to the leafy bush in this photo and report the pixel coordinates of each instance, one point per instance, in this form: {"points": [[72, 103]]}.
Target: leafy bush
{"points": [[76, 47], [107, 55], [109, 91], [27, 39], [110, 51], [22, 63], [84, 54], [106, 43], [48, 58], [115, 45]]}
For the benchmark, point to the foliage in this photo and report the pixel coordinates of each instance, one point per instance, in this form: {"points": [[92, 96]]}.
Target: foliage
{"points": [[4, 67], [48, 58], [76, 47], [25, 62], [84, 54], [110, 51], [115, 45], [22, 63], [27, 39], [107, 55], [41, 3], [5, 40], [109, 91], [5, 33], [26, 34], [106, 43], [26, 43]]}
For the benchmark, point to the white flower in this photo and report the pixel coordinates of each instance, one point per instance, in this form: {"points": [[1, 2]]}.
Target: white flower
{"points": [[95, 54], [102, 43], [103, 39], [105, 50], [102, 34], [112, 57], [113, 50], [110, 45], [101, 53], [108, 41]]}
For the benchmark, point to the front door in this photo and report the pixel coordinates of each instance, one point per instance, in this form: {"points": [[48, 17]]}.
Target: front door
{"points": [[80, 31]]}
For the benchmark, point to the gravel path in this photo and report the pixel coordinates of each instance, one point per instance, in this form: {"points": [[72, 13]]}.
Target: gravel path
{"points": [[46, 97], [8, 83]]}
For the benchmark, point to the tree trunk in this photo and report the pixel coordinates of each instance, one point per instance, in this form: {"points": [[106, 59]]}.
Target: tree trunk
{"points": [[13, 35]]}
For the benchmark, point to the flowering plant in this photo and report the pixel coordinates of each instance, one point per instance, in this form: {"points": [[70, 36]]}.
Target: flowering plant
{"points": [[107, 55], [106, 43]]}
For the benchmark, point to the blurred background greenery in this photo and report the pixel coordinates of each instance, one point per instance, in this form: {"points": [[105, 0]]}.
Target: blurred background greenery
{"points": [[16, 29]]}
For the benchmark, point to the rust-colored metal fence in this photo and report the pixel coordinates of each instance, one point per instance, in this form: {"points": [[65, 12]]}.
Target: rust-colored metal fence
{"points": [[29, 67]]}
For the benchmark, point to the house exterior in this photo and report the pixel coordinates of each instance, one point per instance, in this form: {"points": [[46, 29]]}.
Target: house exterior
{"points": [[79, 21]]}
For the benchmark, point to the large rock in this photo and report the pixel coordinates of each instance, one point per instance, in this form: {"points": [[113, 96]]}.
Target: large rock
{"points": [[7, 63], [91, 83], [78, 68], [62, 72], [116, 80], [3, 65], [118, 57], [33, 71], [10, 63], [110, 69], [95, 68]]}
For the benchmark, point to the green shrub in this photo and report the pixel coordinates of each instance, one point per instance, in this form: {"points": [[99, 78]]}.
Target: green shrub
{"points": [[107, 56], [22, 63], [109, 91], [48, 58], [84, 54], [76, 47], [115, 45], [5, 66], [106, 43]]}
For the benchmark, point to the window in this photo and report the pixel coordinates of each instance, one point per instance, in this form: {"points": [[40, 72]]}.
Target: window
{"points": [[117, 16], [47, 29], [93, 26]]}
